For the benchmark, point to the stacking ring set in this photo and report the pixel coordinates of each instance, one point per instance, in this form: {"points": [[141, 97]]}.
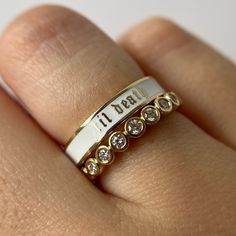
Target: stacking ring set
{"points": [[109, 130]]}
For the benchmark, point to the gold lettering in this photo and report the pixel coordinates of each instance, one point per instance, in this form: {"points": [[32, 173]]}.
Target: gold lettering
{"points": [[95, 126]]}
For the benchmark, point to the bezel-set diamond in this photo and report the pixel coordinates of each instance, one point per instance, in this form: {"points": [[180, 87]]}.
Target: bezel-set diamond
{"points": [[163, 104], [150, 114], [174, 98], [135, 126], [118, 141], [92, 167], [104, 155]]}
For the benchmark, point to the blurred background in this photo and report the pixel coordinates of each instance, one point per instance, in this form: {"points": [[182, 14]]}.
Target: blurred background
{"points": [[212, 20]]}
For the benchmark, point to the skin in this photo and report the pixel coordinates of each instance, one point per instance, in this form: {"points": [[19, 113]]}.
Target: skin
{"points": [[178, 179]]}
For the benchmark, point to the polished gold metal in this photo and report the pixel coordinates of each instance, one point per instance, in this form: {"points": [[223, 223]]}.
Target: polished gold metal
{"points": [[104, 155], [164, 104], [92, 168], [138, 124], [150, 114], [121, 139], [174, 98]]}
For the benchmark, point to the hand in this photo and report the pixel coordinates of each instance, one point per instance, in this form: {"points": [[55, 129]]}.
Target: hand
{"points": [[179, 179]]}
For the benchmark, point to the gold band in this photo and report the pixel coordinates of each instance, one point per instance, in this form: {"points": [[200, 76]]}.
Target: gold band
{"points": [[133, 127]]}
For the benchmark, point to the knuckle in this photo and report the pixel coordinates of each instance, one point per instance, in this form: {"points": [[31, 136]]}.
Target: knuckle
{"points": [[161, 27], [159, 35], [37, 32], [162, 22]]}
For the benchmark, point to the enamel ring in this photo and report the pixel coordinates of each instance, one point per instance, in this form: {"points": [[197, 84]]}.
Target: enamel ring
{"points": [[123, 105]]}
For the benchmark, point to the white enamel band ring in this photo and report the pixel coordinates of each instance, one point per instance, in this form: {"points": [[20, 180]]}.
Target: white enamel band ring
{"points": [[114, 112]]}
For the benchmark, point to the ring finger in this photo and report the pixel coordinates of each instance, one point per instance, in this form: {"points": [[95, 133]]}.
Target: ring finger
{"points": [[63, 68]]}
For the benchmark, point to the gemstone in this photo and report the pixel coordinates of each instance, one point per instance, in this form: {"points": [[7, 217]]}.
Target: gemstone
{"points": [[135, 126], [104, 155], [164, 104], [118, 141], [92, 167], [150, 114], [174, 99]]}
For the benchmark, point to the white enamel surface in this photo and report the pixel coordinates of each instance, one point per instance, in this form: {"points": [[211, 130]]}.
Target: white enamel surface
{"points": [[94, 131]]}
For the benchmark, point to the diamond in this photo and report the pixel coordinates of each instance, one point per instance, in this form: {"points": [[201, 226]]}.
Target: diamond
{"points": [[135, 126], [104, 155], [118, 141], [163, 104], [173, 97], [92, 167], [150, 114]]}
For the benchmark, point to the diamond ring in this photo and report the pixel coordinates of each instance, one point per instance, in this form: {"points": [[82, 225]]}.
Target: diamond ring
{"points": [[133, 127], [110, 128]]}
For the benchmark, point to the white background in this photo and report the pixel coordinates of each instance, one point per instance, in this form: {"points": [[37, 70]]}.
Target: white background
{"points": [[212, 20]]}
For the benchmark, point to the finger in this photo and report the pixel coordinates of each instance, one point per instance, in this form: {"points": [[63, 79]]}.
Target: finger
{"points": [[58, 57], [203, 78], [39, 188], [69, 68]]}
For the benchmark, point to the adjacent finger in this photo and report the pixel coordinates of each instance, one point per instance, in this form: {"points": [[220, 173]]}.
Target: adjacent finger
{"points": [[40, 189], [204, 79]]}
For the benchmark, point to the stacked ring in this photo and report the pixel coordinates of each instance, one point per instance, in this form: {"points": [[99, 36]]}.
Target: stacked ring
{"points": [[134, 127], [145, 96]]}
